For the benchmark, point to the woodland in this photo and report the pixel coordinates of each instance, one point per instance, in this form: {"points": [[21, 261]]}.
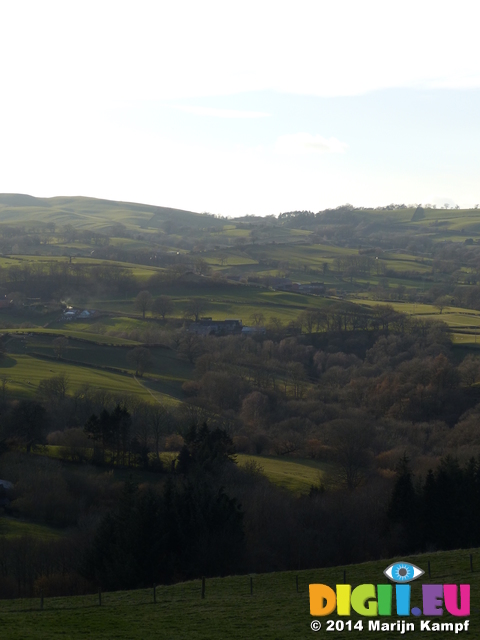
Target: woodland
{"points": [[123, 434]]}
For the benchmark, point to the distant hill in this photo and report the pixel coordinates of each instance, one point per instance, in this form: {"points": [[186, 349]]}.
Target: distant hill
{"points": [[96, 213]]}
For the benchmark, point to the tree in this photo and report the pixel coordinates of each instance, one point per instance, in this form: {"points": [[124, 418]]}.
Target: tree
{"points": [[189, 531], [202, 267], [296, 375], [28, 423], [469, 369], [402, 510], [54, 388], [258, 318], [190, 346], [143, 302], [442, 302], [60, 345], [162, 305], [3, 385], [194, 307], [205, 450], [350, 440], [140, 358], [159, 420], [308, 319]]}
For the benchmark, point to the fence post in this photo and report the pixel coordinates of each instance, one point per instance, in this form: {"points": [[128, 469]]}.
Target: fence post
{"points": [[296, 582], [251, 586], [99, 597], [429, 574], [41, 599], [203, 587], [154, 594], [471, 563]]}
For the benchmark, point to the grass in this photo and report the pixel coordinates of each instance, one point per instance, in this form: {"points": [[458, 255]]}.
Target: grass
{"points": [[24, 373], [77, 332], [274, 610], [296, 475], [13, 528], [82, 362]]}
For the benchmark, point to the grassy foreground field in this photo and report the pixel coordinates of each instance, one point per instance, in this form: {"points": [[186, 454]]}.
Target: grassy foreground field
{"points": [[273, 611]]}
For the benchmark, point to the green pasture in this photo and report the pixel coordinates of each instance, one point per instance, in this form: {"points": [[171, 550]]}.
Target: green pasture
{"points": [[101, 329], [138, 271], [166, 374], [311, 254], [23, 315], [422, 309], [92, 213], [400, 264], [296, 475], [470, 340], [15, 528], [64, 329], [226, 301], [24, 373], [230, 257], [260, 606], [448, 218]]}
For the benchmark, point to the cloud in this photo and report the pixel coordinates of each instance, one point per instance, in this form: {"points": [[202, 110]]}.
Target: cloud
{"points": [[307, 143], [221, 113]]}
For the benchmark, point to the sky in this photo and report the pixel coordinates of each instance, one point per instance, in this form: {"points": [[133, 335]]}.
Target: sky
{"points": [[237, 108]]}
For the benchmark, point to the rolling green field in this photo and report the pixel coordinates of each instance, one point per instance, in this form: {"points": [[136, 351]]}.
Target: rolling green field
{"points": [[237, 252], [13, 528], [250, 249], [462, 322], [296, 475], [273, 611], [31, 358], [24, 373]]}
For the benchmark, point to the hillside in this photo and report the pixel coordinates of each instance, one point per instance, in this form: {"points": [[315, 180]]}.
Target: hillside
{"points": [[335, 353], [92, 213], [273, 611]]}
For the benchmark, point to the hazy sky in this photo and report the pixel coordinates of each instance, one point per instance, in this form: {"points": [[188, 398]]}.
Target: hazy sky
{"points": [[242, 107]]}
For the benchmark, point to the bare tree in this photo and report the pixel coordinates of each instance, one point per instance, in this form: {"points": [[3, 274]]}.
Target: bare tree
{"points": [[202, 267], [442, 302], [194, 307], [140, 358], [258, 318], [143, 302], [54, 388], [350, 441], [162, 305], [3, 384], [190, 346], [159, 420], [60, 345]]}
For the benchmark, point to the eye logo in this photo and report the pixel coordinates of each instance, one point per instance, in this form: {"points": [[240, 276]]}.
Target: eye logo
{"points": [[403, 572]]}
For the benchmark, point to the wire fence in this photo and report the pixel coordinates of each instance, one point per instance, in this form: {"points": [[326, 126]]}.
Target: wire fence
{"points": [[260, 586]]}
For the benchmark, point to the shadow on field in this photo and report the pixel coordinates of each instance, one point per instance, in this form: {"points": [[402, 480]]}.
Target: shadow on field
{"points": [[7, 362]]}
